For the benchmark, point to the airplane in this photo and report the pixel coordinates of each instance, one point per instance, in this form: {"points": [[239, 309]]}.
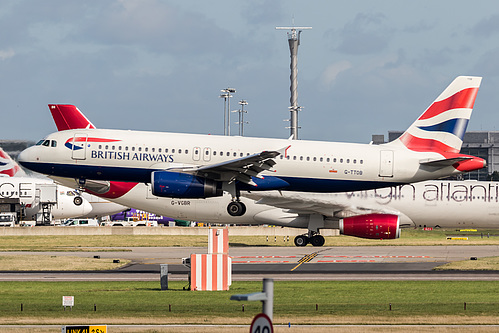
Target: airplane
{"points": [[15, 184], [189, 166]]}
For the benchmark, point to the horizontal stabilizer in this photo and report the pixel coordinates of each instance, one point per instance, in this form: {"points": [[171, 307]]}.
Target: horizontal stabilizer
{"points": [[445, 162]]}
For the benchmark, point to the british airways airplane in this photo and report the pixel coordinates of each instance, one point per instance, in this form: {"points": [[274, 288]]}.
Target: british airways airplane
{"points": [[188, 166]]}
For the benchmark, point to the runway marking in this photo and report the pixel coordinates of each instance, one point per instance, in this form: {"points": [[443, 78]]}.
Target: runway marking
{"points": [[377, 257], [307, 258], [258, 261], [346, 260], [241, 257]]}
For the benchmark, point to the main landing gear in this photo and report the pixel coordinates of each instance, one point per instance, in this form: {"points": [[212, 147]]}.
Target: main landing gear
{"points": [[312, 237], [236, 208], [78, 200]]}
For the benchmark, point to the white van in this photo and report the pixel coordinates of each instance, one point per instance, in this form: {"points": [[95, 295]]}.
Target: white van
{"points": [[80, 223]]}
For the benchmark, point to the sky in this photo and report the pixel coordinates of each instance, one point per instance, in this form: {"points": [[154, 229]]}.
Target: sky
{"points": [[366, 67]]}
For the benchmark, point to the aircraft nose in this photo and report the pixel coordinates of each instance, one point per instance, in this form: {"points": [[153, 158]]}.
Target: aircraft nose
{"points": [[25, 156]]}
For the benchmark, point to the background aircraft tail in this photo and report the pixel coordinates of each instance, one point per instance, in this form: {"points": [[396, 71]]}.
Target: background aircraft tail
{"points": [[8, 167], [68, 117], [442, 126]]}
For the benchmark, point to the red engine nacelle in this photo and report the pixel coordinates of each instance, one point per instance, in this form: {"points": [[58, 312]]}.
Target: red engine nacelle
{"points": [[372, 226]]}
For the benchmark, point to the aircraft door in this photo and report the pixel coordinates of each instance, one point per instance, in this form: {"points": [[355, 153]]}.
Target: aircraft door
{"points": [[206, 154], [196, 152], [386, 163], [79, 146]]}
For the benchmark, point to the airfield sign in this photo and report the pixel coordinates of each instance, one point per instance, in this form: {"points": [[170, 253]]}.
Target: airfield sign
{"points": [[261, 324]]}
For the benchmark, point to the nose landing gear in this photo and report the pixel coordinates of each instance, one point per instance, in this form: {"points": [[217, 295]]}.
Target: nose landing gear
{"points": [[236, 208]]}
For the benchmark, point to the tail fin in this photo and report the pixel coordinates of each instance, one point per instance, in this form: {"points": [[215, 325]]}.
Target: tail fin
{"points": [[69, 117], [8, 167], [441, 127]]}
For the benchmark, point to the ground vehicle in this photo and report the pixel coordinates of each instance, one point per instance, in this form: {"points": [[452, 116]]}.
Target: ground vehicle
{"points": [[8, 219], [81, 223]]}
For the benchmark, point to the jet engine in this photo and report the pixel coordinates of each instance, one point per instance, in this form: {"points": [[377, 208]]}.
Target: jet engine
{"points": [[184, 185], [372, 226]]}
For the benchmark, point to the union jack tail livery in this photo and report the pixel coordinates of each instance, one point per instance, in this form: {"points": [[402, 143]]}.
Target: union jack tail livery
{"points": [[441, 127], [68, 117], [8, 167]]}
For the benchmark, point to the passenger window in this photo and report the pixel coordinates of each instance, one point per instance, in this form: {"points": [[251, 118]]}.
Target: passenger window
{"points": [[180, 151], [341, 160], [301, 158], [166, 150], [206, 153], [112, 148], [145, 149], [100, 146], [328, 159], [334, 160], [119, 147], [214, 152], [315, 159], [354, 161], [294, 158], [321, 159], [140, 148], [235, 154], [152, 149], [186, 151], [107, 147], [241, 154], [173, 151], [126, 147], [308, 158], [54, 143], [159, 150], [287, 157], [348, 160], [361, 161], [228, 153], [133, 148]]}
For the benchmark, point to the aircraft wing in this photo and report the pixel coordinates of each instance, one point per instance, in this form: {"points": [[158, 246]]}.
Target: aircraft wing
{"points": [[241, 169], [326, 204]]}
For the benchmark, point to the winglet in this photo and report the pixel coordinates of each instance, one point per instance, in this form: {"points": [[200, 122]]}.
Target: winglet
{"points": [[68, 117]]}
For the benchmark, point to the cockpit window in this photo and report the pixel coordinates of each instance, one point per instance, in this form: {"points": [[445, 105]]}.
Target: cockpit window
{"points": [[46, 143], [40, 142], [53, 143]]}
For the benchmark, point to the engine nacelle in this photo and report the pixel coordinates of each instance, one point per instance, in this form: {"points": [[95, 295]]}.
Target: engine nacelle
{"points": [[372, 226], [183, 185]]}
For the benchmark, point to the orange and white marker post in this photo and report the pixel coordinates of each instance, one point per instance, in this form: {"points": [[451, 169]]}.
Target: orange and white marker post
{"points": [[213, 271]]}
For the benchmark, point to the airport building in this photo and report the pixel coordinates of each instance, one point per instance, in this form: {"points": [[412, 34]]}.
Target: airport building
{"points": [[479, 143]]}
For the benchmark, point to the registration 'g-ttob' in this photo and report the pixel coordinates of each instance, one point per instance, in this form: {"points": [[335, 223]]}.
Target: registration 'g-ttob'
{"points": [[201, 166]]}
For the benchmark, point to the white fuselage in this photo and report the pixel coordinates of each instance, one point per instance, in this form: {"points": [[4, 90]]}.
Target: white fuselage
{"points": [[27, 190], [310, 166], [450, 204]]}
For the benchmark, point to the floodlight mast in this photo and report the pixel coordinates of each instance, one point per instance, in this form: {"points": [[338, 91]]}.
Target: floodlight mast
{"points": [[294, 42]]}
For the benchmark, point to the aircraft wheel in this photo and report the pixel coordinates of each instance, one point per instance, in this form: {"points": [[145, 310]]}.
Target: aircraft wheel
{"points": [[301, 240], [236, 208], [317, 240], [78, 201]]}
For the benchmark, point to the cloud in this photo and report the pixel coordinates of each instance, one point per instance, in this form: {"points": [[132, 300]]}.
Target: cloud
{"points": [[6, 54], [365, 34], [486, 27], [332, 71]]}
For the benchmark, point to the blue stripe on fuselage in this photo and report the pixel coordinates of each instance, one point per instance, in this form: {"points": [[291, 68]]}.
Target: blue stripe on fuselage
{"points": [[144, 176]]}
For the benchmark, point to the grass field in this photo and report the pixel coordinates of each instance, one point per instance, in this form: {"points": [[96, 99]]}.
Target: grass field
{"points": [[317, 302], [103, 243]]}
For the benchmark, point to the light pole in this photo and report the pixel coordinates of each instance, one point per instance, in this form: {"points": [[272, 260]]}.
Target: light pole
{"points": [[241, 112], [226, 96]]}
